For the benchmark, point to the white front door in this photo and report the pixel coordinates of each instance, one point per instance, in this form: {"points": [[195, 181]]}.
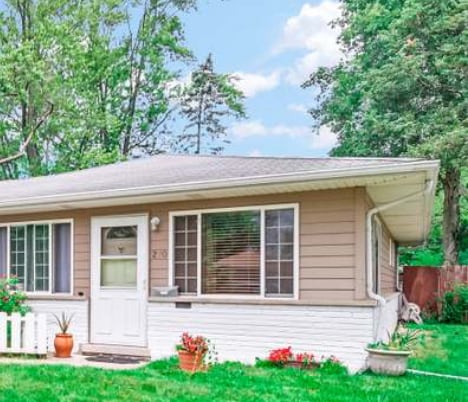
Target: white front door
{"points": [[119, 274]]}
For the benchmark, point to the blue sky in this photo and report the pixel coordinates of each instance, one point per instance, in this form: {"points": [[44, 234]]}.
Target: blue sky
{"points": [[271, 45]]}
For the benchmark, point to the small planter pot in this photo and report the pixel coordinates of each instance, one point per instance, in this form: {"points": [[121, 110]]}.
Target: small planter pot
{"points": [[388, 362], [300, 365], [191, 362], [63, 345]]}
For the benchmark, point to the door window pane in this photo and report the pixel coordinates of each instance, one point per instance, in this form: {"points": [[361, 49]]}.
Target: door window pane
{"points": [[119, 273], [120, 240]]}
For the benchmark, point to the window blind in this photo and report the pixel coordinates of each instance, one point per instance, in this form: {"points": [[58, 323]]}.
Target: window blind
{"points": [[231, 253]]}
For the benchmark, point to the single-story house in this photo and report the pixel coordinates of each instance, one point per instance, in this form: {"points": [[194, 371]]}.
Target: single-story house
{"points": [[264, 252]]}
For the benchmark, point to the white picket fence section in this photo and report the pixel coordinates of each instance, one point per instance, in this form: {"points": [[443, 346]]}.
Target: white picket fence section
{"points": [[28, 334]]}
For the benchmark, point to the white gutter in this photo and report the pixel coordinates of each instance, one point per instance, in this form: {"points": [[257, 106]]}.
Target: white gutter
{"points": [[369, 216]]}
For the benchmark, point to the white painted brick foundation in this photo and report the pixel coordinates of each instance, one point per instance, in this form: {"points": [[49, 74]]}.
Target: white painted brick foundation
{"points": [[244, 332], [79, 325]]}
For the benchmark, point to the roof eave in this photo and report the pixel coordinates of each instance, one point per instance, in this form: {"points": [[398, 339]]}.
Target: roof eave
{"points": [[295, 177]]}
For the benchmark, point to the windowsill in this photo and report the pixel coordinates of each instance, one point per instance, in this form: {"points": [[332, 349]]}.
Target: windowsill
{"points": [[56, 297], [264, 301]]}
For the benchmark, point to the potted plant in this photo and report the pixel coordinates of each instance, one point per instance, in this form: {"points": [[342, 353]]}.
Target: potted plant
{"points": [[391, 357], [193, 351], [63, 340]]}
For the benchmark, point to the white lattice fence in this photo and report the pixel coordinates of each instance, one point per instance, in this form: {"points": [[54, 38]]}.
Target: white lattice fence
{"points": [[23, 334]]}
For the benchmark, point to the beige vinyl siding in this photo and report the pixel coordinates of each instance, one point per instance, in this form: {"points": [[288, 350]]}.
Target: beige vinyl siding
{"points": [[331, 252]]}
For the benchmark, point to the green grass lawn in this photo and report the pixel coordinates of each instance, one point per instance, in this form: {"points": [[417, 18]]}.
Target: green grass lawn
{"points": [[162, 381], [445, 349]]}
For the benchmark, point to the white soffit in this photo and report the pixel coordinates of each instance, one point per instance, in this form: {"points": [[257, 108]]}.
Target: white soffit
{"points": [[407, 222]]}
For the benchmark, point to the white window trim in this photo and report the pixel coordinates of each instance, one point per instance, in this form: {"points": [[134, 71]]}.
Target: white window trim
{"points": [[261, 209], [49, 222]]}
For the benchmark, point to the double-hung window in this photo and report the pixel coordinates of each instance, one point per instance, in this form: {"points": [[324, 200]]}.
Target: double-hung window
{"points": [[245, 251], [38, 254]]}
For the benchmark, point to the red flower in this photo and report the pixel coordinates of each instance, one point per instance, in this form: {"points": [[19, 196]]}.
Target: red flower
{"points": [[193, 344], [305, 358], [281, 356]]}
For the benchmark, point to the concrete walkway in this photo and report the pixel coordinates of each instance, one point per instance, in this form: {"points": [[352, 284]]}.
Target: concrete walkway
{"points": [[76, 360]]}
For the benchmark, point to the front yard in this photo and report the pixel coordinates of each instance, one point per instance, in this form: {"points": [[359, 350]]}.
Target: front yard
{"points": [[162, 381]]}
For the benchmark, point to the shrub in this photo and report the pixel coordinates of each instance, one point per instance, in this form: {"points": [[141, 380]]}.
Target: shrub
{"points": [[401, 339], [455, 305], [11, 299], [332, 365]]}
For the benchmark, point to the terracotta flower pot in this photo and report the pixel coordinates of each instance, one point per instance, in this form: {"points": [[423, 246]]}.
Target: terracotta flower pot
{"points": [[191, 362], [63, 345]]}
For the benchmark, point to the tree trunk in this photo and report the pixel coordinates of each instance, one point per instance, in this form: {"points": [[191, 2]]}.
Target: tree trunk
{"points": [[451, 215]]}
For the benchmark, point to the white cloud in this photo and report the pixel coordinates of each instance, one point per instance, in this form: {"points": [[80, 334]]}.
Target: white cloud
{"points": [[297, 107], [252, 83], [323, 140], [256, 152], [310, 30], [256, 128], [248, 129], [282, 130]]}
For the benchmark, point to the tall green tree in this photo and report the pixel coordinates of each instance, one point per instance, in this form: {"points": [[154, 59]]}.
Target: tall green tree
{"points": [[86, 82], [207, 101], [402, 90]]}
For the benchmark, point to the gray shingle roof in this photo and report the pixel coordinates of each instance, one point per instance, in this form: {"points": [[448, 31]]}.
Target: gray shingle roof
{"points": [[166, 170]]}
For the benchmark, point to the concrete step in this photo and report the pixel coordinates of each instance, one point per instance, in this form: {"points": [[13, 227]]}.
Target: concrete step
{"points": [[90, 349]]}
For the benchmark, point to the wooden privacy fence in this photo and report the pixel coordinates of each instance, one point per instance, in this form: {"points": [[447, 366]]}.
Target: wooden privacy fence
{"points": [[425, 285], [449, 277], [23, 334]]}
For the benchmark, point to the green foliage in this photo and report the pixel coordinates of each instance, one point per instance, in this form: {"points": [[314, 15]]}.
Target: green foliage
{"points": [[63, 321], [206, 102], [432, 253], [91, 82], [402, 90], [332, 366], [12, 300], [455, 305], [401, 340]]}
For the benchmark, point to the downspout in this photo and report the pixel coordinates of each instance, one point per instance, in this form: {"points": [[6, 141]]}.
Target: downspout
{"points": [[370, 214]]}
